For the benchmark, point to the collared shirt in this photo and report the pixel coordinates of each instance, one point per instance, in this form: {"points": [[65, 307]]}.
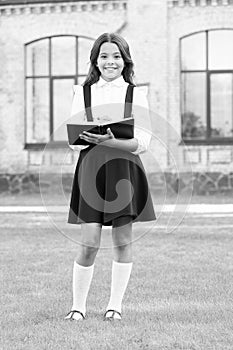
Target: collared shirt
{"points": [[108, 102]]}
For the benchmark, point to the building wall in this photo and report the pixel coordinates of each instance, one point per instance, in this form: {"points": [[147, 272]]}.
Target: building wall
{"points": [[153, 29], [183, 20]]}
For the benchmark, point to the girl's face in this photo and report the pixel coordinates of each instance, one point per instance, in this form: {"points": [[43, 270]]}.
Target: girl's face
{"points": [[110, 61]]}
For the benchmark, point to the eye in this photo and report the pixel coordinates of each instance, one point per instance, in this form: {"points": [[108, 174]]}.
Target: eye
{"points": [[117, 56], [103, 56]]}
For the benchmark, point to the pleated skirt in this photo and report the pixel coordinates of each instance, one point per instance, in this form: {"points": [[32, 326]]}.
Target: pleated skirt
{"points": [[108, 184]]}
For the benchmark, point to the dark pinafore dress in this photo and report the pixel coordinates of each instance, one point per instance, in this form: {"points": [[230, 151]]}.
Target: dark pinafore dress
{"points": [[109, 183]]}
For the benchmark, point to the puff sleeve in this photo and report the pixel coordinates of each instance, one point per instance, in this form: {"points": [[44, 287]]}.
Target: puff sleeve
{"points": [[142, 130], [77, 108], [78, 111]]}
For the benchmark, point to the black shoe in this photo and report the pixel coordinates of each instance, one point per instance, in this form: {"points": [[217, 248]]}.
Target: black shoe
{"points": [[113, 315], [71, 315]]}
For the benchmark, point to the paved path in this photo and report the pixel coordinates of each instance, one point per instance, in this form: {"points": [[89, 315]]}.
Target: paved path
{"points": [[203, 209]]}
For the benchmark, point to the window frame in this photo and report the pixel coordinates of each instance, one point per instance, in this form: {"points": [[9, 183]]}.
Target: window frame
{"points": [[208, 140], [50, 77]]}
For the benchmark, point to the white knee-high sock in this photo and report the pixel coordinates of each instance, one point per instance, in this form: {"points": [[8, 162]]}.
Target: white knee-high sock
{"points": [[82, 277], [120, 278]]}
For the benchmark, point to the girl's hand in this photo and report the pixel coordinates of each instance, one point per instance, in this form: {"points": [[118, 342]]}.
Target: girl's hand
{"points": [[96, 138]]}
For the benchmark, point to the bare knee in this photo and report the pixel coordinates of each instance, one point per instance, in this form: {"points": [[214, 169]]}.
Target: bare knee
{"points": [[122, 245], [87, 255], [89, 250]]}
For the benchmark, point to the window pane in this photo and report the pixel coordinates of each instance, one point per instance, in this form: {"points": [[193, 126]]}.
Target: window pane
{"points": [[63, 55], [84, 48], [37, 110], [193, 105], [221, 105], [81, 80], [62, 99], [38, 58], [221, 49], [193, 52]]}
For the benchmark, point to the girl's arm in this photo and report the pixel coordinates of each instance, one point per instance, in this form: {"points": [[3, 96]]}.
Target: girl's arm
{"points": [[130, 145]]}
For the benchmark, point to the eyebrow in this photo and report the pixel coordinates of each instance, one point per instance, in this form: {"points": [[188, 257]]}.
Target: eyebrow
{"points": [[107, 53]]}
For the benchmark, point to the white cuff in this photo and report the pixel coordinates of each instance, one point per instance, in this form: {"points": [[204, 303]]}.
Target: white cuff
{"points": [[143, 137], [77, 147]]}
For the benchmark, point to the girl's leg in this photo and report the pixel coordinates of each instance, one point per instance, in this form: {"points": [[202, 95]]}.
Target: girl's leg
{"points": [[84, 267], [90, 243], [122, 239], [122, 264]]}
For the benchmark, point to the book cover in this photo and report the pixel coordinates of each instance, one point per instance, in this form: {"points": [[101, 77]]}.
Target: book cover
{"points": [[123, 129]]}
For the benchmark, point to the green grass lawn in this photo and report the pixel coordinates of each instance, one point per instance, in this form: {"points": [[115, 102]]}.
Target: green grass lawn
{"points": [[179, 295]]}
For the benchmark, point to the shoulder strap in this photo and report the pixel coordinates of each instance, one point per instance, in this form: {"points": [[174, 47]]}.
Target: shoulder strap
{"points": [[87, 102], [128, 101]]}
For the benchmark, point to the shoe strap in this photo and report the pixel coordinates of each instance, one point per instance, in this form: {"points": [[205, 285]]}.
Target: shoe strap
{"points": [[72, 314], [114, 312]]}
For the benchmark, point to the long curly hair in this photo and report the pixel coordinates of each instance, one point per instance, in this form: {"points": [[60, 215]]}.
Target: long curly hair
{"points": [[94, 72]]}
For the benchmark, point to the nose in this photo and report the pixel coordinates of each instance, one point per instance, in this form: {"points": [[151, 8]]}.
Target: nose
{"points": [[110, 61]]}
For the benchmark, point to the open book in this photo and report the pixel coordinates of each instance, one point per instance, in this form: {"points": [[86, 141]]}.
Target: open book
{"points": [[123, 129]]}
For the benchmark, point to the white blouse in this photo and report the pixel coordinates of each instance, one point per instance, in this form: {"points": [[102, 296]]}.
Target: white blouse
{"points": [[108, 102]]}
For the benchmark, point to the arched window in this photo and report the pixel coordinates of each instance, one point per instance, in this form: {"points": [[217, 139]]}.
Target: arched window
{"points": [[207, 87], [52, 66]]}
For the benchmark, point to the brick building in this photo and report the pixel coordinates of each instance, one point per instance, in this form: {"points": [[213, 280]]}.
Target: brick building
{"points": [[182, 51]]}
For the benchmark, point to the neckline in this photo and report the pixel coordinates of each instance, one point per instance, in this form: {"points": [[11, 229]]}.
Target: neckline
{"points": [[119, 82]]}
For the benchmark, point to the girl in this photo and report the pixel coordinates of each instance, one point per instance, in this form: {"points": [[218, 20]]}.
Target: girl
{"points": [[110, 89]]}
